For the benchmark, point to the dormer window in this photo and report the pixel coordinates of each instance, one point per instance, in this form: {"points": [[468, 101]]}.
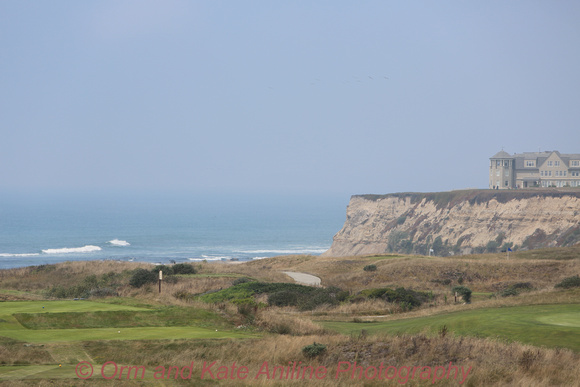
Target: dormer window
{"points": [[530, 163]]}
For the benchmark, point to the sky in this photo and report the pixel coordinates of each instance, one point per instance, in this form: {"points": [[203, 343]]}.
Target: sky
{"points": [[281, 97]]}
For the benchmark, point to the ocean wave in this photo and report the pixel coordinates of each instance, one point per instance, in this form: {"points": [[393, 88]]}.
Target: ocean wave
{"points": [[18, 255], [66, 250], [208, 258], [117, 242]]}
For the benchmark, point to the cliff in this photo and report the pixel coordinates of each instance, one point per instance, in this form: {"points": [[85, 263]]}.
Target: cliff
{"points": [[458, 222]]}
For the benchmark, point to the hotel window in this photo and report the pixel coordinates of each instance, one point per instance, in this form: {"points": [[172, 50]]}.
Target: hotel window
{"points": [[550, 163], [575, 163], [575, 173], [556, 163], [530, 163]]}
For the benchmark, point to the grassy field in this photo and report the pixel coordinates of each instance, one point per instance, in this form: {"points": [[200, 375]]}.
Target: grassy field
{"points": [[531, 338], [540, 325], [21, 320]]}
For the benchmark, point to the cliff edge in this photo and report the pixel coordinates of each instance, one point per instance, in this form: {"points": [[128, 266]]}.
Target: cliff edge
{"points": [[458, 222]]}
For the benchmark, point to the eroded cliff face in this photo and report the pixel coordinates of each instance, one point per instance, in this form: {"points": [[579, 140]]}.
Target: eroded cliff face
{"points": [[458, 222]]}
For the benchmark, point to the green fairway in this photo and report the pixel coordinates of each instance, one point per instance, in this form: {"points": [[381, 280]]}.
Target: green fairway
{"points": [[542, 325], [101, 323], [141, 333], [12, 307]]}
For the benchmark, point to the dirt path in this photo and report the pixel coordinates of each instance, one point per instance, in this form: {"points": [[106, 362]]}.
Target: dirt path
{"points": [[304, 278]]}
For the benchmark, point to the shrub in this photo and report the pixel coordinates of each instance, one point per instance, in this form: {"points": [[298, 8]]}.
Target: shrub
{"points": [[509, 292], [318, 298], [241, 280], [370, 268], [183, 268], [406, 298], [570, 282], [142, 277], [464, 292], [283, 298], [314, 350], [522, 285], [492, 246], [281, 328]]}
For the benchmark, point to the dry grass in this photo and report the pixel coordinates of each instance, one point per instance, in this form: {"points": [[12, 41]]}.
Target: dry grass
{"points": [[15, 352], [38, 278], [489, 273], [493, 363]]}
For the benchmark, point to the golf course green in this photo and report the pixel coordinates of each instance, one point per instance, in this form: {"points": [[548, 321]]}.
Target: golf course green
{"points": [[541, 325]]}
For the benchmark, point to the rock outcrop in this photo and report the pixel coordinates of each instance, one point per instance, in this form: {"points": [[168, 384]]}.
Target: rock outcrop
{"points": [[458, 222]]}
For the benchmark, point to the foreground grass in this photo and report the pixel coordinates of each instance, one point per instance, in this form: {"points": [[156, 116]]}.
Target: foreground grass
{"points": [[541, 325], [490, 363]]}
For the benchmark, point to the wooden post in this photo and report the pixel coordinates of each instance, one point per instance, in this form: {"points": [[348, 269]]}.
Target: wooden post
{"points": [[160, 278], [455, 296]]}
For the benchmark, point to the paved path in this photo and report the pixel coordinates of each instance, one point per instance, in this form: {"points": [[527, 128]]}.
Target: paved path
{"points": [[303, 278]]}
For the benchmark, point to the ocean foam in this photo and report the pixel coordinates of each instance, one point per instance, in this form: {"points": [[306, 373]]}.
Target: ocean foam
{"points": [[117, 242], [18, 255], [66, 250], [208, 258]]}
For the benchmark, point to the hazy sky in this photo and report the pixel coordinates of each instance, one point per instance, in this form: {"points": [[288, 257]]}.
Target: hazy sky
{"points": [[304, 97]]}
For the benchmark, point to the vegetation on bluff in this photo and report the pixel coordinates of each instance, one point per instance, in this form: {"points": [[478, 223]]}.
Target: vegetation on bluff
{"points": [[521, 324]]}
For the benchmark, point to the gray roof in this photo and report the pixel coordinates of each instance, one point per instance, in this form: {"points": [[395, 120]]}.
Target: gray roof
{"points": [[540, 157], [501, 155]]}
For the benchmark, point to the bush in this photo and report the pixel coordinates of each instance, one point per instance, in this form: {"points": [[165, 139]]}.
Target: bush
{"points": [[142, 277], [492, 246], [370, 268], [317, 298], [314, 350], [570, 282], [183, 268], [522, 285], [406, 298], [283, 298], [241, 280], [464, 292], [509, 292]]}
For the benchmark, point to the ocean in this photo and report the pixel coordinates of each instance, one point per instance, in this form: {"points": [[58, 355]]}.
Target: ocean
{"points": [[38, 229]]}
